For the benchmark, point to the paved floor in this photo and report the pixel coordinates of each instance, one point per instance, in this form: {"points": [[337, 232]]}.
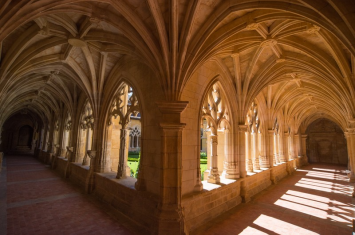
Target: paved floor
{"points": [[34, 200], [315, 200], [40, 202]]}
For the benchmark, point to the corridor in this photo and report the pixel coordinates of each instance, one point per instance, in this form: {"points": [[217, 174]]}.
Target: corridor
{"points": [[39, 202], [315, 200]]}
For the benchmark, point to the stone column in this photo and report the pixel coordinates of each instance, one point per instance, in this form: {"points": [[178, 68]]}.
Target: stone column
{"points": [[248, 157], [243, 141], [209, 157], [286, 145], [89, 182], [123, 168], [350, 142], [270, 147], [281, 148], [213, 176], [304, 149], [170, 217], [254, 151], [276, 150], [242, 150]]}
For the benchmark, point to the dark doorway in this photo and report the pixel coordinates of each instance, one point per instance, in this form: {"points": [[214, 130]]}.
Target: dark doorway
{"points": [[25, 136], [326, 143]]}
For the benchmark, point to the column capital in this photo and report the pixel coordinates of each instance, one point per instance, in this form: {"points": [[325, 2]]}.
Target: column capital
{"points": [[172, 110], [243, 128], [91, 153]]}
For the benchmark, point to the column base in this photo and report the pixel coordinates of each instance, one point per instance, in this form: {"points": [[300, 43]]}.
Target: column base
{"points": [[170, 220], [213, 177], [230, 171], [352, 179]]}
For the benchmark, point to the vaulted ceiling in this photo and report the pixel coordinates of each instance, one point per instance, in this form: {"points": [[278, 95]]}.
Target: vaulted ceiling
{"points": [[296, 55]]}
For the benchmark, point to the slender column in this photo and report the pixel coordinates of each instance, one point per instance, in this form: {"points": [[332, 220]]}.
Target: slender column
{"points": [[281, 148], [123, 168], [89, 182], [242, 150], [276, 150], [271, 148], [255, 152], [304, 149], [350, 141], [248, 157], [243, 134], [209, 155], [213, 176], [286, 145], [170, 217]]}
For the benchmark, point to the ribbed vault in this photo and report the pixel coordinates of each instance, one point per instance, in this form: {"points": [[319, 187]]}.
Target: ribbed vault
{"points": [[51, 51]]}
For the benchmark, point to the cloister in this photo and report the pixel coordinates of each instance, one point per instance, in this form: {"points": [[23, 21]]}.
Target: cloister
{"points": [[248, 90]]}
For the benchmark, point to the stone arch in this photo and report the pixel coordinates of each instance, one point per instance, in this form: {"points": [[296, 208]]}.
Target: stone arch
{"points": [[124, 106], [215, 117]]}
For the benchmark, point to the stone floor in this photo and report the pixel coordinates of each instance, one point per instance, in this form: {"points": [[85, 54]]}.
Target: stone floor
{"points": [[38, 201], [34, 200], [315, 200]]}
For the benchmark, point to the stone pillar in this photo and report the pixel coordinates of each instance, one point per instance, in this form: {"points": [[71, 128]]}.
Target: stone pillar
{"points": [[276, 150], [270, 147], [243, 141], [123, 168], [248, 157], [170, 217], [242, 150], [281, 148], [89, 182], [208, 152], [350, 142], [254, 151], [286, 145], [304, 149], [213, 176]]}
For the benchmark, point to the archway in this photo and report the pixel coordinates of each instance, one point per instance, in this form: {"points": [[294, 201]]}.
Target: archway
{"points": [[326, 143], [25, 136]]}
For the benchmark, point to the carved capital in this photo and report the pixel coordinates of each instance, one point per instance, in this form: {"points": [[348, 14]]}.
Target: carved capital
{"points": [[91, 154]]}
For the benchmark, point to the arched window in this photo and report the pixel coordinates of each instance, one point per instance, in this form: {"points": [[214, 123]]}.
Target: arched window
{"points": [[215, 135], [123, 132]]}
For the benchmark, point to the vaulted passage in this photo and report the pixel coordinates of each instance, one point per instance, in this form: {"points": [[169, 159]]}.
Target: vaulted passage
{"points": [[173, 112], [315, 200]]}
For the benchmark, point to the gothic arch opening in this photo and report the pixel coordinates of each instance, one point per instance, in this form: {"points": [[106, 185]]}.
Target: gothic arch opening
{"points": [[215, 136], [123, 133], [326, 143], [25, 136]]}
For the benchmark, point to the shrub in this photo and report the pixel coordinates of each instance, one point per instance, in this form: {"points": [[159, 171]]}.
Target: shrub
{"points": [[203, 155]]}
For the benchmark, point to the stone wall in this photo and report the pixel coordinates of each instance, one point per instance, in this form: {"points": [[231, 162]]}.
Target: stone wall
{"points": [[326, 143], [79, 174], [140, 207], [202, 207], [199, 208]]}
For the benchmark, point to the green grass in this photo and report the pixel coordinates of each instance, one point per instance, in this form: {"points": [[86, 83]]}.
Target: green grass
{"points": [[133, 166]]}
